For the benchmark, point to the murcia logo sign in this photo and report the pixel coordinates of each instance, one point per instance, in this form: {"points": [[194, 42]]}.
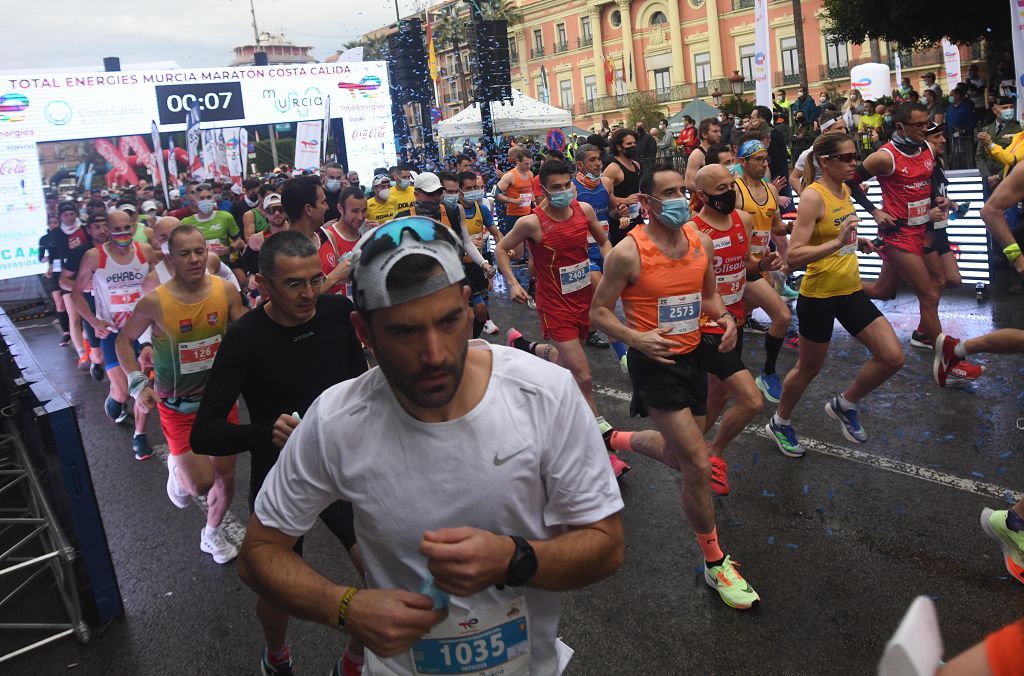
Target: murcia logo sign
{"points": [[293, 102]]}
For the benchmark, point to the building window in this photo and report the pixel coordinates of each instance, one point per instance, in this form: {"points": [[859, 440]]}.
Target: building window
{"points": [[560, 33], [565, 93], [836, 55], [585, 29], [620, 81], [702, 68], [747, 62], [789, 61], [662, 80], [538, 41], [658, 19], [590, 87], [615, 18]]}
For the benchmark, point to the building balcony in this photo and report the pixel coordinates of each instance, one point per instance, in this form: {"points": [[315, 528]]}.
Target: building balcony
{"points": [[748, 86], [585, 41], [782, 78], [830, 72], [561, 47], [569, 108], [536, 52], [673, 94]]}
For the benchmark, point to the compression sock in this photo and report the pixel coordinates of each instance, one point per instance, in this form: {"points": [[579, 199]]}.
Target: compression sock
{"points": [[478, 327], [1014, 521], [620, 348], [621, 441], [708, 542], [772, 347], [62, 319]]}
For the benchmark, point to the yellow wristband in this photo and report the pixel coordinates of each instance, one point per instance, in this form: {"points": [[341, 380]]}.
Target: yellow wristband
{"points": [[343, 606], [1012, 252]]}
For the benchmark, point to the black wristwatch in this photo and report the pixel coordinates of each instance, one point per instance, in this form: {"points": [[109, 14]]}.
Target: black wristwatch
{"points": [[523, 565]]}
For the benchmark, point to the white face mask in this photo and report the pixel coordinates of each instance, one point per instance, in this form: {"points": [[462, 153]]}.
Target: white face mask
{"points": [[384, 194], [252, 203]]}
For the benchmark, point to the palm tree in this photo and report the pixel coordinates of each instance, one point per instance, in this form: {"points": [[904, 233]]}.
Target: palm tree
{"points": [[801, 61], [450, 30]]}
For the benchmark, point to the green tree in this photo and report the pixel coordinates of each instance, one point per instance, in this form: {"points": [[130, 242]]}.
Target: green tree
{"points": [[916, 23], [643, 107]]}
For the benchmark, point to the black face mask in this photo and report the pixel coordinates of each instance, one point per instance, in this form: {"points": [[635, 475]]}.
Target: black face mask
{"points": [[630, 153], [724, 203], [429, 209]]}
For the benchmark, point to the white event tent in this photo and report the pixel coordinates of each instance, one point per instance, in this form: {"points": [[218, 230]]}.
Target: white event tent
{"points": [[522, 116]]}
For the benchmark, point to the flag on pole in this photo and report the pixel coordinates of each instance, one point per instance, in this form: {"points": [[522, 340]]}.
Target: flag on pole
{"points": [[631, 65], [431, 54], [899, 69], [327, 126], [609, 74], [544, 83], [172, 163], [307, 144], [762, 55], [195, 162], [951, 57], [157, 157], [243, 149]]}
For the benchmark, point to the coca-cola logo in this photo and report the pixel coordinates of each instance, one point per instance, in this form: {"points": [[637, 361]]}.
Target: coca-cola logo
{"points": [[369, 134], [11, 166]]}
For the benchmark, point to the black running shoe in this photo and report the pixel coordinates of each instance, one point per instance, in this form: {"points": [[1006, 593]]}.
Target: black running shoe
{"points": [[595, 340], [96, 371], [65, 340], [754, 326]]}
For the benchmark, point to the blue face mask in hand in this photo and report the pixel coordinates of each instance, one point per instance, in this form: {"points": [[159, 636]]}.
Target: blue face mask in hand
{"points": [[560, 199], [674, 212]]}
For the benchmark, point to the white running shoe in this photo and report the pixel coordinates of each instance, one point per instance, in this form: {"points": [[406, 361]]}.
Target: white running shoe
{"points": [[178, 497], [490, 327], [217, 546]]}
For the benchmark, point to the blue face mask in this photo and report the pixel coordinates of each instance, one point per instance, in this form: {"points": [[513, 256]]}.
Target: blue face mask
{"points": [[736, 169], [206, 206], [473, 195], [560, 199], [1007, 114], [674, 212], [403, 183], [450, 200]]}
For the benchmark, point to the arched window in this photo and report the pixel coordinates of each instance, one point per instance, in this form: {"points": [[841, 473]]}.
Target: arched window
{"points": [[658, 19]]}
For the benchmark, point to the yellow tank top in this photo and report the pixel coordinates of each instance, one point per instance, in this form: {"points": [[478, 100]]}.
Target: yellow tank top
{"points": [[474, 226], [764, 216], [837, 274]]}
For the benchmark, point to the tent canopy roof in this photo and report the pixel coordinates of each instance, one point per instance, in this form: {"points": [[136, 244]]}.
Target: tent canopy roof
{"points": [[523, 116]]}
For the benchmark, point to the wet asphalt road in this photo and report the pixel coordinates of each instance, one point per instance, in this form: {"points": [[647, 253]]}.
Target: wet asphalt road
{"points": [[837, 543]]}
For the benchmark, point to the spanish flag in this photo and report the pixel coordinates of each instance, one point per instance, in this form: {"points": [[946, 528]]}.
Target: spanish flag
{"points": [[431, 54]]}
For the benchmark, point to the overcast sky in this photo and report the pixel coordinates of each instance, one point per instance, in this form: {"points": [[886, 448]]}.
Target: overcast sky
{"points": [[195, 33]]}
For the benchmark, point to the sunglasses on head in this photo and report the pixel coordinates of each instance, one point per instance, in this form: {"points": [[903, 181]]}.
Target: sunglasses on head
{"points": [[388, 237]]}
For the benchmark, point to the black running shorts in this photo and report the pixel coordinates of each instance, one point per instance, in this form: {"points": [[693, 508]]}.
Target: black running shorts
{"points": [[722, 364], [817, 315], [668, 387]]}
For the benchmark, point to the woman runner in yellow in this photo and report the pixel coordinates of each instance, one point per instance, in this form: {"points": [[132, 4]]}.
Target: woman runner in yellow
{"points": [[825, 241]]}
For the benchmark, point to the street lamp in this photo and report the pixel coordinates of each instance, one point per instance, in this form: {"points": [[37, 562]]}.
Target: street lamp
{"points": [[717, 96], [736, 83]]}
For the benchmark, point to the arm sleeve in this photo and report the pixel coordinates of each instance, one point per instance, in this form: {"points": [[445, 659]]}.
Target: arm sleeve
{"points": [[225, 273], [471, 250], [856, 193], [212, 434]]}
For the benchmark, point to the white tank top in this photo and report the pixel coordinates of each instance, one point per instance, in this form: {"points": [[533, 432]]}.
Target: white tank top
{"points": [[117, 287]]}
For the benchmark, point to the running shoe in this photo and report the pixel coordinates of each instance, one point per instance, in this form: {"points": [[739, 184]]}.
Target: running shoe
{"points": [[792, 341], [788, 293], [96, 371], [918, 339], [141, 447], [730, 585], [347, 666], [754, 326], [993, 522], [785, 439], [65, 340], [619, 466], [490, 328], [512, 335], [965, 371], [719, 476], [83, 363], [268, 669], [945, 358], [595, 340], [531, 303], [217, 546], [770, 385], [113, 408], [179, 498], [851, 427], [624, 364]]}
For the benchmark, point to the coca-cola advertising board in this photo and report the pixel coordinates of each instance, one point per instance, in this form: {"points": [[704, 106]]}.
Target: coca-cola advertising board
{"points": [[22, 210]]}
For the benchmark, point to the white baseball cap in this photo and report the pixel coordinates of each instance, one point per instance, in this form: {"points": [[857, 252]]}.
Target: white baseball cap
{"points": [[271, 199], [148, 205], [427, 182]]}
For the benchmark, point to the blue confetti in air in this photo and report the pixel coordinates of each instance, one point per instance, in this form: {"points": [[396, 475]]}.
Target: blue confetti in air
{"points": [[754, 458], [771, 539], [767, 494], [1006, 455], [949, 437], [792, 545], [1009, 498], [698, 570], [899, 434], [978, 474], [924, 435], [1000, 471], [806, 489], [828, 532]]}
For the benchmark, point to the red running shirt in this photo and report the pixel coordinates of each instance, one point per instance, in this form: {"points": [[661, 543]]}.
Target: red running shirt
{"points": [[731, 255], [562, 263], [907, 191]]}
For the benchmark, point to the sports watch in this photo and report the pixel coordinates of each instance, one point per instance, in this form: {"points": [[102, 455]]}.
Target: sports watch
{"points": [[523, 564]]}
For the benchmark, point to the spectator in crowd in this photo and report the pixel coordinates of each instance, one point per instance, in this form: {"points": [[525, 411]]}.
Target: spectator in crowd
{"points": [[803, 133], [853, 109], [646, 147], [976, 93], [805, 104], [931, 85], [902, 93], [1001, 132], [781, 105], [666, 140], [960, 111], [687, 139], [936, 111]]}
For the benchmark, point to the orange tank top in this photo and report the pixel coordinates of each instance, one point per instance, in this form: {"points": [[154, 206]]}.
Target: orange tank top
{"points": [[668, 292], [520, 194]]}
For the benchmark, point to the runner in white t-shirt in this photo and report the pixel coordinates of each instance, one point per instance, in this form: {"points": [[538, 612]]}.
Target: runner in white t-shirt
{"points": [[442, 506]]}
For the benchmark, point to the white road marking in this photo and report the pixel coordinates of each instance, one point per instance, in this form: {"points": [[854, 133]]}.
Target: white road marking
{"points": [[981, 488], [232, 530]]}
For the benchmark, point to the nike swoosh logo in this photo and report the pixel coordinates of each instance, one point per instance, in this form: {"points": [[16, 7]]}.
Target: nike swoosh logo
{"points": [[498, 462]]}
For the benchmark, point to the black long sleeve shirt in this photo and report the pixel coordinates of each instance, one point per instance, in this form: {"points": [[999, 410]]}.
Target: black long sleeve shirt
{"points": [[279, 370]]}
